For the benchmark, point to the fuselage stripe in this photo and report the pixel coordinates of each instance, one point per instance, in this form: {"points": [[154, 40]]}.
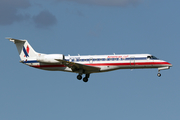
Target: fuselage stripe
{"points": [[110, 64]]}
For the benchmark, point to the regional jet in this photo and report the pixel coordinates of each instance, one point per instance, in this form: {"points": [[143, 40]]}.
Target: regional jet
{"points": [[86, 64]]}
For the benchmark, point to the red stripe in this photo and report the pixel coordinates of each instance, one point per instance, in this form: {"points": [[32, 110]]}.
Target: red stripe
{"points": [[119, 64], [109, 64], [42, 66], [27, 49]]}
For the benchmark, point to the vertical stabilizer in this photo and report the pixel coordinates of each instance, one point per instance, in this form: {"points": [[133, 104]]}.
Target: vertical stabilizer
{"points": [[24, 49]]}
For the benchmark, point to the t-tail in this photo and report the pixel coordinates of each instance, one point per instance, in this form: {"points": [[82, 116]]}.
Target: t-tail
{"points": [[24, 49]]}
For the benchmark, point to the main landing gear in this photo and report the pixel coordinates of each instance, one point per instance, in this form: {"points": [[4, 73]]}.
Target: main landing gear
{"points": [[85, 79]]}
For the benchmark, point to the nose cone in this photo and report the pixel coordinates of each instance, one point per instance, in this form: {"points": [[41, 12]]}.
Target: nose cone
{"points": [[169, 64]]}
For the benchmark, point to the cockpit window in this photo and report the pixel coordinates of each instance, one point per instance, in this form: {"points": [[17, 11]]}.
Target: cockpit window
{"points": [[152, 57], [148, 57]]}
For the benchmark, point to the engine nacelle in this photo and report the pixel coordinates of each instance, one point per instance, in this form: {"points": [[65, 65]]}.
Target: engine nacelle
{"points": [[50, 58]]}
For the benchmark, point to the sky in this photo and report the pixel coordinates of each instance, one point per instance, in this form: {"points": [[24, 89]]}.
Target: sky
{"points": [[90, 27]]}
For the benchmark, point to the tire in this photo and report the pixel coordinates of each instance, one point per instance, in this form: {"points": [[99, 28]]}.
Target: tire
{"points": [[79, 77], [85, 79], [159, 74]]}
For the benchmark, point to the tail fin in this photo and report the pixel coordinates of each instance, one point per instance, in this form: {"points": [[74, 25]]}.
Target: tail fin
{"points": [[24, 48]]}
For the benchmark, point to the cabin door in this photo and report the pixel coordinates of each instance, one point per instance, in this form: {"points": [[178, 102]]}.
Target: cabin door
{"points": [[90, 60]]}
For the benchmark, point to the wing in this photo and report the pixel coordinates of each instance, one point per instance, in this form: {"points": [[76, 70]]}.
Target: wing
{"points": [[76, 66]]}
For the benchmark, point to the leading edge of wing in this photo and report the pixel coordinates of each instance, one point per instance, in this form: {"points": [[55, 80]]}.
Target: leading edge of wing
{"points": [[74, 65]]}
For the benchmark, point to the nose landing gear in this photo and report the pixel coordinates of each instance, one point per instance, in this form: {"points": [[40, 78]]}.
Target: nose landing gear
{"points": [[162, 68], [159, 74]]}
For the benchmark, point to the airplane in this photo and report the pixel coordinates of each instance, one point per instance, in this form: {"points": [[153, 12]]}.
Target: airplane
{"points": [[86, 64]]}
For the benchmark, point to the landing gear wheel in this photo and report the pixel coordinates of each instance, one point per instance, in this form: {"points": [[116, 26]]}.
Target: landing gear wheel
{"points": [[85, 79], [79, 77], [159, 74]]}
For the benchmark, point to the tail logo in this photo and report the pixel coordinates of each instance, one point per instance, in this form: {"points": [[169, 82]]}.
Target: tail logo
{"points": [[26, 51]]}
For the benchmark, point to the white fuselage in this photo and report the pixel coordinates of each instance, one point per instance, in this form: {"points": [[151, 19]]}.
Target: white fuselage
{"points": [[86, 64], [104, 62]]}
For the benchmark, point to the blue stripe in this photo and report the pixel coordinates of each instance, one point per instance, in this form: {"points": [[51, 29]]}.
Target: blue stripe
{"points": [[25, 52], [136, 58], [101, 59], [109, 59], [141, 58], [31, 61]]}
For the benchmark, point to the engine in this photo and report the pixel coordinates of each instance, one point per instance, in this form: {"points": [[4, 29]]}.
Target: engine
{"points": [[50, 58]]}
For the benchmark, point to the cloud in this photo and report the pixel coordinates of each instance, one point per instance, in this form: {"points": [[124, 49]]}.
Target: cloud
{"points": [[9, 11], [117, 3], [44, 19]]}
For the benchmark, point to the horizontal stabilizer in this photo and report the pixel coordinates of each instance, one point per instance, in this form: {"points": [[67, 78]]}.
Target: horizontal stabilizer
{"points": [[16, 40]]}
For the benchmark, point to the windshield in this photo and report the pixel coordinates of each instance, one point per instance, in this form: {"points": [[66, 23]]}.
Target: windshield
{"points": [[152, 57]]}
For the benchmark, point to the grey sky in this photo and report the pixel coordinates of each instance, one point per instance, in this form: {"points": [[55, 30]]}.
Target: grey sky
{"points": [[9, 11], [44, 19], [121, 3]]}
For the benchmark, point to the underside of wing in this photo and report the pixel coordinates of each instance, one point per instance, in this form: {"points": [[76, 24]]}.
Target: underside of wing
{"points": [[76, 66]]}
